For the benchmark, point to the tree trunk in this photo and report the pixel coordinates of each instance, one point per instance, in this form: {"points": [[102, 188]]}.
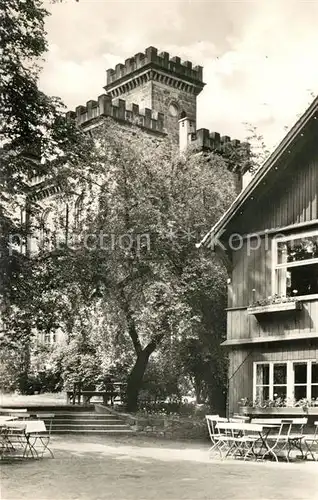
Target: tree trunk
{"points": [[198, 391], [136, 376], [217, 397], [23, 383]]}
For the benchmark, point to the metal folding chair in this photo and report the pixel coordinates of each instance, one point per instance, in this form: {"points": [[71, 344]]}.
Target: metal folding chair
{"points": [[240, 442], [36, 432], [242, 418], [220, 441], [279, 442], [46, 417], [296, 435], [311, 441]]}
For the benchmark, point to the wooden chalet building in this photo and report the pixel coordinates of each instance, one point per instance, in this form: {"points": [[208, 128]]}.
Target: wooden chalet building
{"points": [[269, 241]]}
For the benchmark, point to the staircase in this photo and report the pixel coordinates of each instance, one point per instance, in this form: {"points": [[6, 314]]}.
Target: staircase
{"points": [[75, 419], [86, 423]]}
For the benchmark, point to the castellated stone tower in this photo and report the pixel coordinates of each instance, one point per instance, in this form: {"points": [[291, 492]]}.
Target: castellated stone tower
{"points": [[160, 83]]}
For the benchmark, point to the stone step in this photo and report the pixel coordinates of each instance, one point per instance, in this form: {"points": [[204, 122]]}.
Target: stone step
{"points": [[74, 414], [108, 421], [89, 427], [51, 408], [81, 420], [92, 431], [94, 416]]}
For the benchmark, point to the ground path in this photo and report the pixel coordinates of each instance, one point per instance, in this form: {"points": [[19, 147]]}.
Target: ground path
{"points": [[136, 468]]}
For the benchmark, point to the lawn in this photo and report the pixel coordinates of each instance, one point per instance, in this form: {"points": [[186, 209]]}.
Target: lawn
{"points": [[136, 468]]}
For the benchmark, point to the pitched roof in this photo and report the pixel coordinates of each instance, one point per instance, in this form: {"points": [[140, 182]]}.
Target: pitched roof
{"points": [[285, 146]]}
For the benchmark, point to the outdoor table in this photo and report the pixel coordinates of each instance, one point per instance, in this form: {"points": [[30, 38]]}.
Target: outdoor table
{"points": [[289, 440], [241, 428], [29, 428]]}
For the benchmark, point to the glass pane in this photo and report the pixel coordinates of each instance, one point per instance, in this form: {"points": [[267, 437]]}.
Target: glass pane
{"points": [[262, 374], [314, 373], [298, 249], [283, 283], [314, 392], [300, 392], [300, 373], [279, 392], [262, 393], [303, 280], [282, 254], [280, 373]]}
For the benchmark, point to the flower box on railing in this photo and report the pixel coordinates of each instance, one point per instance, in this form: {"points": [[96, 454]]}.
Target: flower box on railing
{"points": [[276, 307]]}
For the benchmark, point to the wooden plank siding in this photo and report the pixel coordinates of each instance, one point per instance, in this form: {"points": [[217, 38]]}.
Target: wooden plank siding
{"points": [[290, 200], [242, 325], [251, 277], [240, 381]]}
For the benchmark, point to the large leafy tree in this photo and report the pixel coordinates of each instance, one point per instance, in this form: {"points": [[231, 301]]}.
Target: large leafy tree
{"points": [[135, 256], [36, 140]]}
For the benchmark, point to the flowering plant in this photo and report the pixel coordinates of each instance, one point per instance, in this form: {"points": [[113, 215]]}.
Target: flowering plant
{"points": [[278, 402], [272, 299]]}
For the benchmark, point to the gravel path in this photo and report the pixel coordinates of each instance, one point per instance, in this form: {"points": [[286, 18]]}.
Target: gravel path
{"points": [[135, 468]]}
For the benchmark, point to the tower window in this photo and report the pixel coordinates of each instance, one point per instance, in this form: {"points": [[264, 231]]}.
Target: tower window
{"points": [[173, 109]]}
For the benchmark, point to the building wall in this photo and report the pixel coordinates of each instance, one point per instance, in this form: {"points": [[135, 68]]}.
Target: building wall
{"points": [[141, 95], [289, 198], [159, 97], [241, 365], [241, 325], [164, 96]]}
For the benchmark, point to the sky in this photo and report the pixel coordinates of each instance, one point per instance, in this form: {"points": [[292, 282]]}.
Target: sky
{"points": [[260, 57]]}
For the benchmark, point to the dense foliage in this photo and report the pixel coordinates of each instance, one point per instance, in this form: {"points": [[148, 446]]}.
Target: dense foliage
{"points": [[130, 277], [36, 140]]}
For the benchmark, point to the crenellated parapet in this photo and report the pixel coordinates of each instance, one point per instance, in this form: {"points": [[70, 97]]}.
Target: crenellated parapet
{"points": [[162, 60], [160, 67], [203, 139], [119, 110]]}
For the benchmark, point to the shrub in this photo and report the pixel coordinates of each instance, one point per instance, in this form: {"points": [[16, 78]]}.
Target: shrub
{"points": [[9, 370]]}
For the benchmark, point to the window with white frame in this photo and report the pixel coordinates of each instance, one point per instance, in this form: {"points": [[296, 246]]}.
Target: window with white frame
{"points": [[305, 380], [295, 265], [289, 380]]}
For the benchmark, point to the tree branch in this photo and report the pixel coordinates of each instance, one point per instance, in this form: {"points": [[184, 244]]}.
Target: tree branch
{"points": [[131, 324]]}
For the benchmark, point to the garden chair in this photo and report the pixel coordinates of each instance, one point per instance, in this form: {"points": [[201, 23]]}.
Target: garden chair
{"points": [[242, 418], [36, 432], [296, 435], [240, 442], [13, 439], [279, 442], [46, 416], [311, 441], [220, 441]]}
